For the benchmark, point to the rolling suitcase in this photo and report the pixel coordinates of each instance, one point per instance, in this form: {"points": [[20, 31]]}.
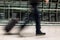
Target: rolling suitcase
{"points": [[10, 25]]}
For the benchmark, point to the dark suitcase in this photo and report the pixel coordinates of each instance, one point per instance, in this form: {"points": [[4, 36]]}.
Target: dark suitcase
{"points": [[10, 25]]}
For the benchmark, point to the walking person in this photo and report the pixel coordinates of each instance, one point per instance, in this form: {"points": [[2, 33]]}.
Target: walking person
{"points": [[36, 16]]}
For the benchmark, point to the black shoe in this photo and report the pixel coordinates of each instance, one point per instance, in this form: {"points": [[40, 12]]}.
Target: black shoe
{"points": [[40, 34]]}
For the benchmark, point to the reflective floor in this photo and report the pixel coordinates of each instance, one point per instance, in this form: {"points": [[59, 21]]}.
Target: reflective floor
{"points": [[52, 33]]}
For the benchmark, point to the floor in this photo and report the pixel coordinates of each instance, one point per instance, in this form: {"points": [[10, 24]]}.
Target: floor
{"points": [[52, 33]]}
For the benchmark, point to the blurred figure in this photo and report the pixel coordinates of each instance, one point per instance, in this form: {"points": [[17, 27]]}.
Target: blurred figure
{"points": [[34, 14]]}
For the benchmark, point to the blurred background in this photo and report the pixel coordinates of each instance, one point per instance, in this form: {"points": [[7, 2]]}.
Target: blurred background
{"points": [[50, 13]]}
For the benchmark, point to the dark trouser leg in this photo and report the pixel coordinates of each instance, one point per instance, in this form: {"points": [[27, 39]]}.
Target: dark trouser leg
{"points": [[37, 20], [38, 26]]}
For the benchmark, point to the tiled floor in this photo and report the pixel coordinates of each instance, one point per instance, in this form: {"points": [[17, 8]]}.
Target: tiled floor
{"points": [[52, 33]]}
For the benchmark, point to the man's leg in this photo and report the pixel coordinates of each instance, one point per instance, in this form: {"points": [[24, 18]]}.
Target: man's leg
{"points": [[37, 21], [38, 26]]}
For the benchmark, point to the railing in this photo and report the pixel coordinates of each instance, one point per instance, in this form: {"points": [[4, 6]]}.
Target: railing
{"points": [[49, 13]]}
